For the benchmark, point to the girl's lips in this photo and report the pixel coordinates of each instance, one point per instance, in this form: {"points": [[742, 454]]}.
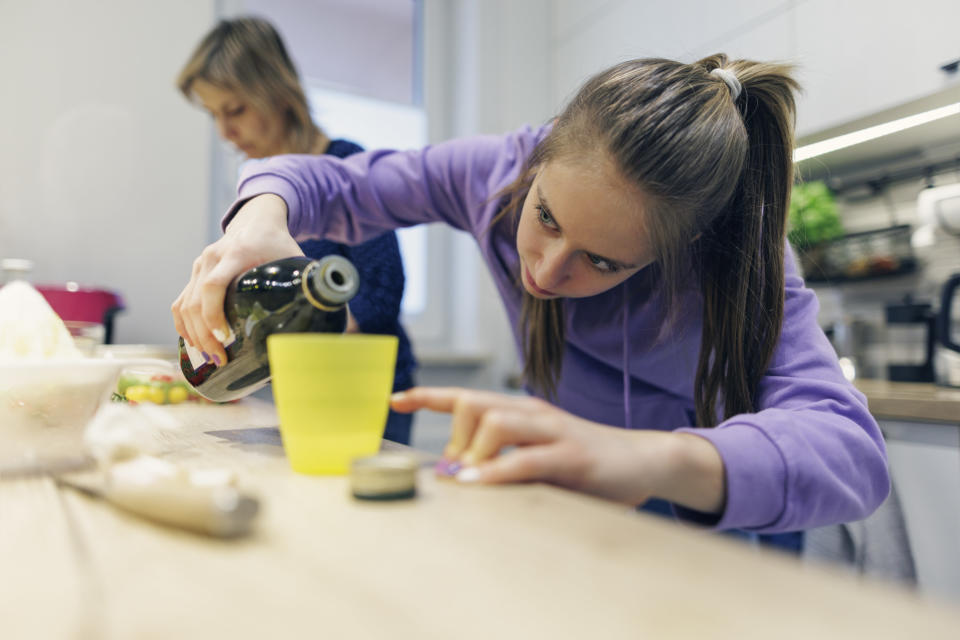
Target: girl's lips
{"points": [[532, 284]]}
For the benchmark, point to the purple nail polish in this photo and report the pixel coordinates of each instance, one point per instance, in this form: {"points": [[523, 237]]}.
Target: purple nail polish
{"points": [[206, 356], [447, 467], [216, 360]]}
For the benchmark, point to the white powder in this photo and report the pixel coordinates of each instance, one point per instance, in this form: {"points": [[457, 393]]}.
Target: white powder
{"points": [[29, 327]]}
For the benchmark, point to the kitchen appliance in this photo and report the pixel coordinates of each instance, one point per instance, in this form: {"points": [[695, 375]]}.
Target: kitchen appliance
{"points": [[947, 355], [82, 308], [937, 208], [911, 335], [87, 312]]}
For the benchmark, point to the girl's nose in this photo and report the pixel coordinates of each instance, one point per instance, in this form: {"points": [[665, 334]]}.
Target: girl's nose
{"points": [[552, 269]]}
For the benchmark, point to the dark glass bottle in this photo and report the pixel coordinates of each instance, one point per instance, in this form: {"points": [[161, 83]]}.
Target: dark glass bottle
{"points": [[293, 295]]}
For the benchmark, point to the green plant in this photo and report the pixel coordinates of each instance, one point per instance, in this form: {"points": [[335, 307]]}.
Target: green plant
{"points": [[813, 215]]}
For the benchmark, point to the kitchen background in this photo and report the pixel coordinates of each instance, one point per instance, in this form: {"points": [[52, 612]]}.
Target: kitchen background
{"points": [[109, 178]]}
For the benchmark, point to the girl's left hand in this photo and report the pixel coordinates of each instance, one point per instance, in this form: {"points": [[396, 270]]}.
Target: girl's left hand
{"points": [[552, 445]]}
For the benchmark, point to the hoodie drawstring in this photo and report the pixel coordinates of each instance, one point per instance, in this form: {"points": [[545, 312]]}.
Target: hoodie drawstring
{"points": [[626, 359]]}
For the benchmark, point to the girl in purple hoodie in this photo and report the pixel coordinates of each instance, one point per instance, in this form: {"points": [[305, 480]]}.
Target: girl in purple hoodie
{"points": [[670, 348]]}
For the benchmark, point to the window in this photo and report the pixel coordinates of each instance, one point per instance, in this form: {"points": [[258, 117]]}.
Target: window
{"points": [[378, 124]]}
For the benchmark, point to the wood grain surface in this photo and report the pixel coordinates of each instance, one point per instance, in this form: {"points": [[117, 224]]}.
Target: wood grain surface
{"points": [[456, 562], [911, 401]]}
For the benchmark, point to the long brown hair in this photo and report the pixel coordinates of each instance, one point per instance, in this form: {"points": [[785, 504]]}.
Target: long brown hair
{"points": [[247, 55], [717, 166]]}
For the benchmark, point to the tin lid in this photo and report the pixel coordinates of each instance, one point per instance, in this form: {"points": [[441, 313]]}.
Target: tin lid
{"points": [[385, 476]]}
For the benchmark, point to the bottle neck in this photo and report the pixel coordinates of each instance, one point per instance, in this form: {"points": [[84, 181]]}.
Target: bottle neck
{"points": [[329, 283], [314, 289]]}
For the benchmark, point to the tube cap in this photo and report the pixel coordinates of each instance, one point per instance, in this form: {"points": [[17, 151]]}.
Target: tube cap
{"points": [[385, 476]]}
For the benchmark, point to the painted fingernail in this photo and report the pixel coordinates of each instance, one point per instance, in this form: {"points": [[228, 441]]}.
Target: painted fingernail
{"points": [[217, 360], [447, 468], [468, 475], [206, 356]]}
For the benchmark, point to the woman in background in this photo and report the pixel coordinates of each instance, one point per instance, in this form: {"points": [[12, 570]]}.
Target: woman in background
{"points": [[243, 76]]}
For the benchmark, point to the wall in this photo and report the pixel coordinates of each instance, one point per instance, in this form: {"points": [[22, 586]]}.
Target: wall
{"points": [[495, 79], [103, 166]]}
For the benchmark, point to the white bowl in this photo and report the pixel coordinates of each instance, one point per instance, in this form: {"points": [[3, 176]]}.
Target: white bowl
{"points": [[45, 404]]}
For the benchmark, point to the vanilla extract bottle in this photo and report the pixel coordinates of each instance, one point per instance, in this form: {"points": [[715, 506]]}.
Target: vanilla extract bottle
{"points": [[292, 295]]}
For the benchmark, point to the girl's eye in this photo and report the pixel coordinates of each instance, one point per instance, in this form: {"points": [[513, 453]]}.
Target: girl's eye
{"points": [[233, 113], [544, 217], [601, 264]]}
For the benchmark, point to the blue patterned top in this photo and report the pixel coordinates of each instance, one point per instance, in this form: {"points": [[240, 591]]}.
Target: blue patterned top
{"points": [[376, 306]]}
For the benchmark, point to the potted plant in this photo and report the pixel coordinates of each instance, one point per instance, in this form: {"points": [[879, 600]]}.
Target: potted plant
{"points": [[812, 223]]}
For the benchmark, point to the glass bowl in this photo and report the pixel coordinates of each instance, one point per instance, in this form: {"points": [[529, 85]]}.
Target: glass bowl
{"points": [[45, 404]]}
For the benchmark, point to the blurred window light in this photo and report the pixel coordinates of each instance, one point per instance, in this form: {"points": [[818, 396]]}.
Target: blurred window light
{"points": [[378, 124]]}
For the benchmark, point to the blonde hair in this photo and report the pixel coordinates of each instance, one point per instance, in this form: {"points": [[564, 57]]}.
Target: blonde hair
{"points": [[717, 166], [246, 55]]}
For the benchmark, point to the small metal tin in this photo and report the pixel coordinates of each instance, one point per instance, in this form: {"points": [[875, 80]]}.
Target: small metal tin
{"points": [[385, 476]]}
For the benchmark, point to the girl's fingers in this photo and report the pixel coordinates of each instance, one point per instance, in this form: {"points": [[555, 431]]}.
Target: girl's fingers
{"points": [[468, 410], [528, 464], [467, 407], [439, 399], [512, 426], [178, 322]]}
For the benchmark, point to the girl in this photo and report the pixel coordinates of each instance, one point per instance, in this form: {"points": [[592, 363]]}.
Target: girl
{"points": [[241, 74], [638, 245]]}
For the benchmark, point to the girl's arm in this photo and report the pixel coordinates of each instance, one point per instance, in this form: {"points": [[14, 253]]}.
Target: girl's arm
{"points": [[811, 455], [554, 446], [347, 200], [357, 198]]}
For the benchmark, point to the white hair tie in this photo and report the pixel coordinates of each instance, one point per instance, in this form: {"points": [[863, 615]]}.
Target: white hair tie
{"points": [[730, 78]]}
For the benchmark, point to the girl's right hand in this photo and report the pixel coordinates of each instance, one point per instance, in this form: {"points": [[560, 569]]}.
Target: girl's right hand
{"points": [[257, 234]]}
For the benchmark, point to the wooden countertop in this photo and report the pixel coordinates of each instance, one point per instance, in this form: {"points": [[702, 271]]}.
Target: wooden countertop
{"points": [[456, 562], [911, 400]]}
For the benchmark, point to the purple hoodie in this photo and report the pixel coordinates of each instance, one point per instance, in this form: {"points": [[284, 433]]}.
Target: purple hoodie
{"points": [[812, 455]]}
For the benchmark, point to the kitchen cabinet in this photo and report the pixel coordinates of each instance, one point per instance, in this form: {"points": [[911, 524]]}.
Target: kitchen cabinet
{"points": [[921, 425], [860, 57], [924, 459]]}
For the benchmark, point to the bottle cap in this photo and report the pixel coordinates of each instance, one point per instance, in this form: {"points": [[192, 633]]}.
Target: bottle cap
{"points": [[385, 476], [331, 282]]}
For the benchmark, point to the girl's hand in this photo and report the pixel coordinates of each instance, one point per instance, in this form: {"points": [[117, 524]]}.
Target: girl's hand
{"points": [[257, 234], [555, 446]]}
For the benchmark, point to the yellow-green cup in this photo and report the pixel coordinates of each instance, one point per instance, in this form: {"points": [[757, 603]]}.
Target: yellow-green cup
{"points": [[332, 394]]}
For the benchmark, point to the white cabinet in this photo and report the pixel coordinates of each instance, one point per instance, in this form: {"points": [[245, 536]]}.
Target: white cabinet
{"points": [[924, 461], [855, 57], [587, 37], [862, 56]]}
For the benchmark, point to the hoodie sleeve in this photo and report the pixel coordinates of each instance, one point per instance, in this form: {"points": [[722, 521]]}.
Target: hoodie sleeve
{"points": [[812, 455], [357, 198]]}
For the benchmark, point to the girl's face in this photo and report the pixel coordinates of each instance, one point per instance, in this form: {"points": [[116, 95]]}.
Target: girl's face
{"points": [[252, 132], [581, 230]]}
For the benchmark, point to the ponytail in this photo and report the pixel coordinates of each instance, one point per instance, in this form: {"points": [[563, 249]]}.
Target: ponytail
{"points": [[741, 254]]}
